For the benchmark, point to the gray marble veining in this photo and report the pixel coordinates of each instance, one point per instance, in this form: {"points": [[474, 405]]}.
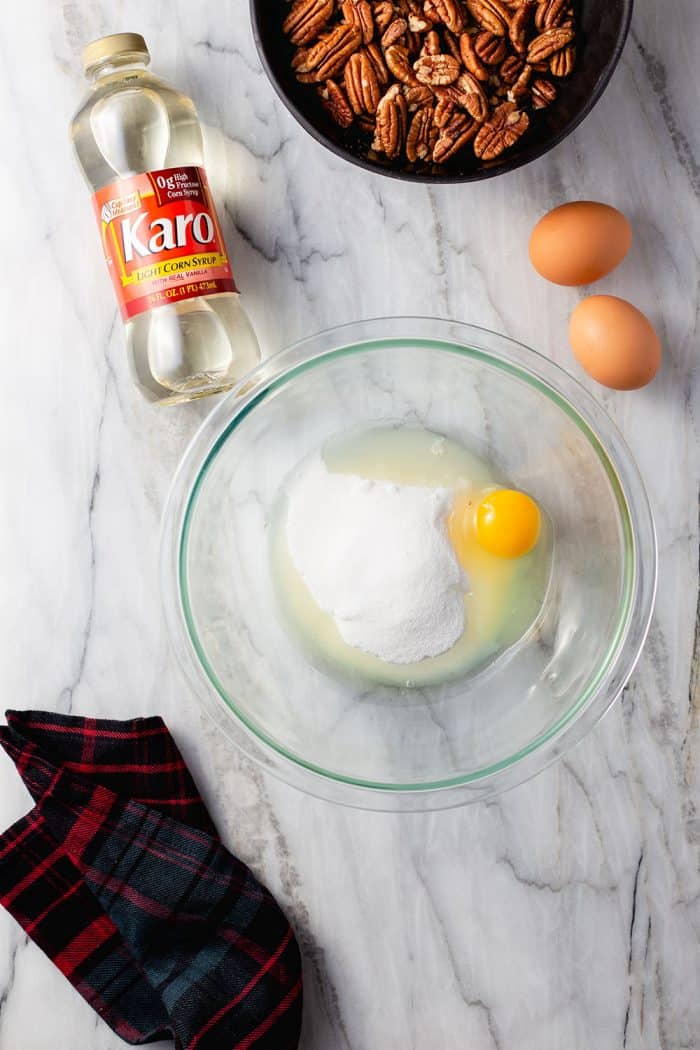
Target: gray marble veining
{"points": [[567, 912]]}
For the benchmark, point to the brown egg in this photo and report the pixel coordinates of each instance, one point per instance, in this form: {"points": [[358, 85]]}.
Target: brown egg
{"points": [[614, 342], [579, 243]]}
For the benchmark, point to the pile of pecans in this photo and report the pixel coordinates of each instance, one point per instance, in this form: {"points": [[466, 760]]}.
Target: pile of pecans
{"points": [[424, 78]]}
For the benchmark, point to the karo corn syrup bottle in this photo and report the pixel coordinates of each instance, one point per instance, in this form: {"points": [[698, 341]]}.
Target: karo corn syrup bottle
{"points": [[139, 144]]}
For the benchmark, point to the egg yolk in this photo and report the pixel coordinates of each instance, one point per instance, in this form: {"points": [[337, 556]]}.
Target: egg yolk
{"points": [[508, 523]]}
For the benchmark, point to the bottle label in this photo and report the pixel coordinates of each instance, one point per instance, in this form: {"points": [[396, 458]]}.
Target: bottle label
{"points": [[161, 239]]}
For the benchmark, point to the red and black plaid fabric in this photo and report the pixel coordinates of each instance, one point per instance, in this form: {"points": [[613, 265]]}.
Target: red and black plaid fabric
{"points": [[118, 874]]}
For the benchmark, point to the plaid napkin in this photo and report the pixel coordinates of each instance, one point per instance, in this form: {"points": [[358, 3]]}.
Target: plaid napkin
{"points": [[119, 876]]}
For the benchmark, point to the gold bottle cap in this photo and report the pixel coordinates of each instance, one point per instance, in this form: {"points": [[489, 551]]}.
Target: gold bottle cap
{"points": [[116, 44]]}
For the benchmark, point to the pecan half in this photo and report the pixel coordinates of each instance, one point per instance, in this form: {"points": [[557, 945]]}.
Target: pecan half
{"points": [[394, 31], [510, 70], [421, 135], [390, 132], [328, 56], [467, 93], [436, 70], [543, 93], [519, 23], [521, 86], [417, 95], [471, 60], [383, 13], [359, 14], [490, 14], [550, 13], [361, 85], [446, 12], [431, 44], [501, 132], [451, 43], [491, 49], [548, 43], [334, 101], [306, 20], [417, 24], [374, 53], [453, 137], [562, 63], [396, 58], [445, 110]]}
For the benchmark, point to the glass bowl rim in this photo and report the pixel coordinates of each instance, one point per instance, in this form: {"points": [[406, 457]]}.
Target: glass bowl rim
{"points": [[635, 605]]}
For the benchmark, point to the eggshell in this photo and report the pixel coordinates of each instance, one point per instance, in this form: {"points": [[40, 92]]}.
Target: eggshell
{"points": [[580, 242], [614, 342]]}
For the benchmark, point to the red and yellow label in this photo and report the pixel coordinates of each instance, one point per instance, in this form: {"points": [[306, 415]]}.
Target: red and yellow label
{"points": [[161, 239]]}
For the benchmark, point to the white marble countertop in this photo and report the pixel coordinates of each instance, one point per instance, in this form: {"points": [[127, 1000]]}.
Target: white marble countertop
{"points": [[567, 913]]}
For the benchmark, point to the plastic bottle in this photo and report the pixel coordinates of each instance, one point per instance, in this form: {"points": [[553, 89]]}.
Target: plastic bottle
{"points": [[139, 144]]}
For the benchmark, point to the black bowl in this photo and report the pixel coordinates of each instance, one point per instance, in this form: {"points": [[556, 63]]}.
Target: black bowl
{"points": [[603, 27]]}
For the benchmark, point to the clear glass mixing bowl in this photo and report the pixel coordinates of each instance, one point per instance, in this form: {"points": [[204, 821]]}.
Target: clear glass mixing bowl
{"points": [[376, 746]]}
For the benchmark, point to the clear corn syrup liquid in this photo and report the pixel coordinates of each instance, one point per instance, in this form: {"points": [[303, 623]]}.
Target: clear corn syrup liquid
{"points": [[132, 122]]}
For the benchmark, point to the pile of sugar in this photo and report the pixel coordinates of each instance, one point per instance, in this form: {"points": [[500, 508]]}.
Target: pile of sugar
{"points": [[377, 558]]}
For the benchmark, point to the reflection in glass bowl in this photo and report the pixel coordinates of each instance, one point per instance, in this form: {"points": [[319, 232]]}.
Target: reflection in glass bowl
{"points": [[384, 747]]}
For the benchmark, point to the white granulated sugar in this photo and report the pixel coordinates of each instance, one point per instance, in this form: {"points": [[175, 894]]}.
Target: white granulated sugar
{"points": [[376, 557]]}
